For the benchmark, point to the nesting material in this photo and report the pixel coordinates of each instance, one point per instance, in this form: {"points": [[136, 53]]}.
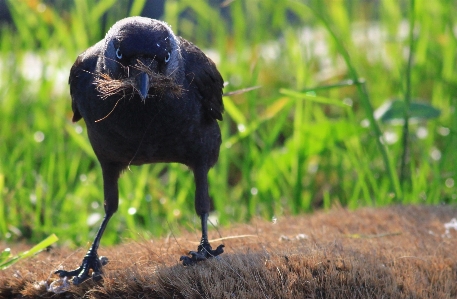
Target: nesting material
{"points": [[159, 83]]}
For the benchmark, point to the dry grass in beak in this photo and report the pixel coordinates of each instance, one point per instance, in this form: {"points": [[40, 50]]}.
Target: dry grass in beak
{"points": [[159, 84]]}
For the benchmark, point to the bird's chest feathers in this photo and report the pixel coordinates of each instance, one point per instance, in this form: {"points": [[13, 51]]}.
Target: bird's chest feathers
{"points": [[143, 132], [131, 119]]}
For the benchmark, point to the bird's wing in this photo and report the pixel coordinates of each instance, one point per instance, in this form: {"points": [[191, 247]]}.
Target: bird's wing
{"points": [[81, 75], [204, 79]]}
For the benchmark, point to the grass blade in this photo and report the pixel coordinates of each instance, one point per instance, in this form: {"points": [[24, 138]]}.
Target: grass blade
{"points": [[34, 250]]}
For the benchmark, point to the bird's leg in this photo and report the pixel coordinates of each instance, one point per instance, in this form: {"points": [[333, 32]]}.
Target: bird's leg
{"points": [[204, 246], [91, 260], [204, 251], [202, 203]]}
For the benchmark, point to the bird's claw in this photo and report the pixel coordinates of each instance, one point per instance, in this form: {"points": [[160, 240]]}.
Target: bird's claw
{"points": [[81, 274], [204, 252]]}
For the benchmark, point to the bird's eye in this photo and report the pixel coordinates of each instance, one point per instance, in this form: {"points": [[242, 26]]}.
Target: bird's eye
{"points": [[118, 53], [168, 57]]}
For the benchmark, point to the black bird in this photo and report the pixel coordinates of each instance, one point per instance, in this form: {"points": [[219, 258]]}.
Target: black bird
{"points": [[147, 96]]}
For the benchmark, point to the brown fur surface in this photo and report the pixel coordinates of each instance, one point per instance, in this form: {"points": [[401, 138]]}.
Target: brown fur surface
{"points": [[395, 252]]}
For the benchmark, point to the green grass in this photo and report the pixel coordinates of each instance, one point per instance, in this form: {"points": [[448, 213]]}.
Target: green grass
{"points": [[7, 259], [307, 139]]}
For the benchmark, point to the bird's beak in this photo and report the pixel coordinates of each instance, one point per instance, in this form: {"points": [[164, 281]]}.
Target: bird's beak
{"points": [[142, 84]]}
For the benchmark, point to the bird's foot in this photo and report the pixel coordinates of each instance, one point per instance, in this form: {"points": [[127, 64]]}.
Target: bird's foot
{"points": [[90, 261], [204, 252]]}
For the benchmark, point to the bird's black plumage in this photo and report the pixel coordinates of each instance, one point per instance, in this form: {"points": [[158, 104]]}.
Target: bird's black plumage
{"points": [[147, 96]]}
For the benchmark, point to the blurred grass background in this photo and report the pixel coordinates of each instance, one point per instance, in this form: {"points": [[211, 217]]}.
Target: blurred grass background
{"points": [[306, 140]]}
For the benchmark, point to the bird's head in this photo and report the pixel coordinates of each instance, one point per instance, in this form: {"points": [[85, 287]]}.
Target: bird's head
{"points": [[141, 54]]}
